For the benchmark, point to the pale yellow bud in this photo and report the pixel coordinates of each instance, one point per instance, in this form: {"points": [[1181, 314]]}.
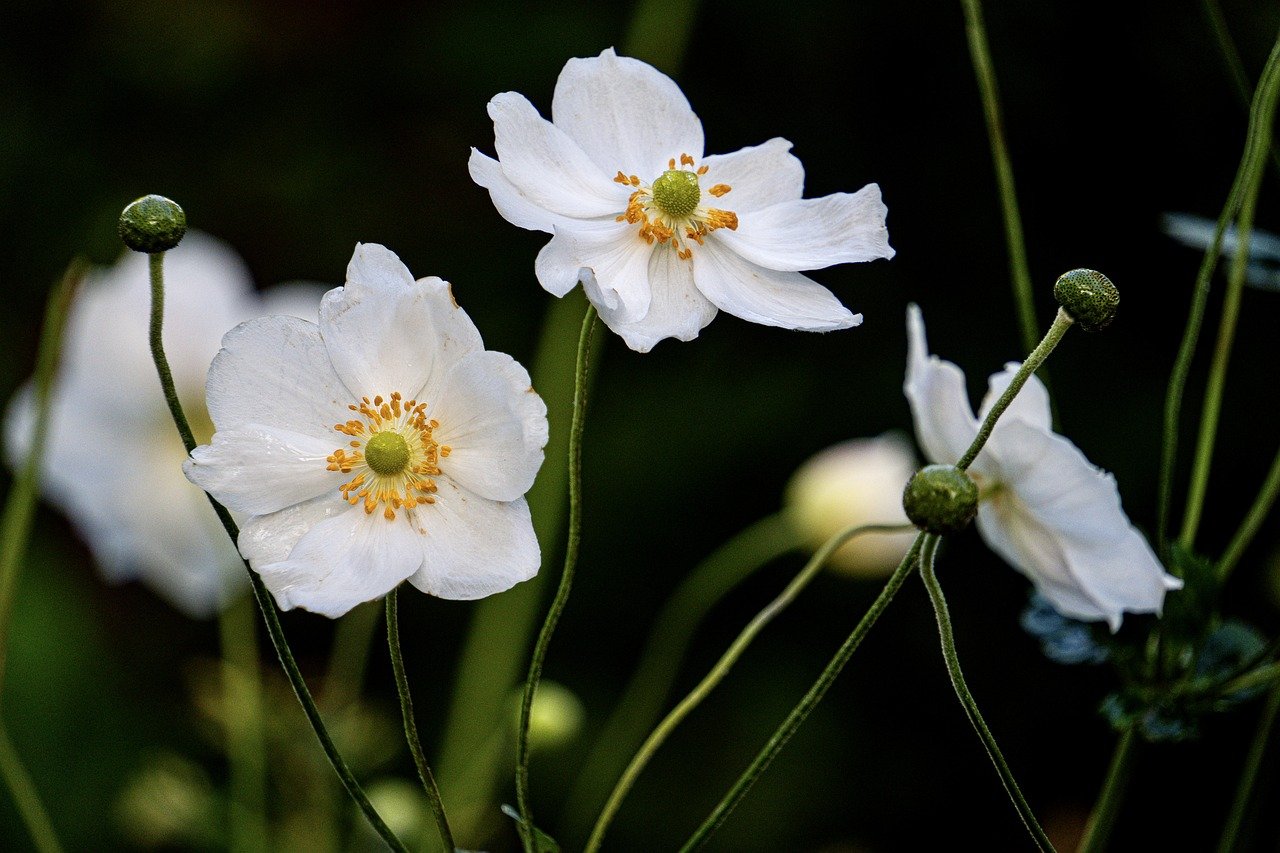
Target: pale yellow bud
{"points": [[855, 482]]}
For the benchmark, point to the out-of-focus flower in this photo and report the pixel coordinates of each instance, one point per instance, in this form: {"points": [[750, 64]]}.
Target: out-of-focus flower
{"points": [[384, 444], [660, 236], [168, 802], [1045, 509], [855, 482], [109, 425], [1263, 269], [555, 718]]}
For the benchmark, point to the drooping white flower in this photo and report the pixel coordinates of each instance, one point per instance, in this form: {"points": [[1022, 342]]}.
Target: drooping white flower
{"points": [[1044, 508], [109, 425], [855, 482], [659, 235], [382, 445]]}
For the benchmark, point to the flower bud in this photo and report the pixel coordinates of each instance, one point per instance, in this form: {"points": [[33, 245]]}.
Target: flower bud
{"points": [[941, 499], [1089, 297], [851, 483], [152, 224]]}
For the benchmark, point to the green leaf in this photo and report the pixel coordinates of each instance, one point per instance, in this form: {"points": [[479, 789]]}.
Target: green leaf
{"points": [[542, 843]]}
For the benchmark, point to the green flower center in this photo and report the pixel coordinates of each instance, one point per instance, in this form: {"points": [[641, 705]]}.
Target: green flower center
{"points": [[387, 453], [676, 193]]}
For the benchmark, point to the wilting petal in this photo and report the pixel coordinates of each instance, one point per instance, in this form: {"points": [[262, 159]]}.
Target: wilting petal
{"points": [[625, 114], [610, 260], [676, 310], [939, 401], [258, 469], [513, 204], [759, 176]]}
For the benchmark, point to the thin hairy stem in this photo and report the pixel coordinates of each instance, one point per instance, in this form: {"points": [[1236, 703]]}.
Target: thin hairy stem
{"points": [[265, 603], [582, 370], [966, 697], [1253, 520], [1230, 839], [410, 725], [806, 705], [720, 670], [1103, 819], [246, 743]]}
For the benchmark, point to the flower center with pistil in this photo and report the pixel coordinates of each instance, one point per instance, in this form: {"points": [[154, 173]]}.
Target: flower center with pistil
{"points": [[393, 455], [670, 210]]}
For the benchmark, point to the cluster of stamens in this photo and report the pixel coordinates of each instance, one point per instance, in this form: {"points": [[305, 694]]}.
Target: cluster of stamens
{"points": [[670, 211], [392, 453]]}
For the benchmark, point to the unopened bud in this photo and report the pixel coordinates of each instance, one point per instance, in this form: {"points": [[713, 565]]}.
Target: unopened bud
{"points": [[1089, 297], [152, 224], [940, 499]]}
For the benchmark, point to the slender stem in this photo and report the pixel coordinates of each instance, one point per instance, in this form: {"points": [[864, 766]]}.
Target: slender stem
{"points": [[265, 603], [980, 56], [1235, 66], [1262, 675], [646, 693], [1249, 174], [410, 725], [246, 746], [1253, 520], [26, 798], [966, 697], [1061, 323], [1230, 839], [802, 709], [720, 670], [1105, 811], [582, 370]]}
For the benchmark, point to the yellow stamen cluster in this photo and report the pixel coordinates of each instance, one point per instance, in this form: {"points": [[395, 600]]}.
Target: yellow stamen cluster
{"points": [[670, 211], [399, 476]]}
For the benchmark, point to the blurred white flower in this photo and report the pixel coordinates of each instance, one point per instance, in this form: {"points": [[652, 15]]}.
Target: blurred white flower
{"points": [[855, 482], [1044, 508], [659, 235], [384, 444], [109, 424], [1263, 269]]}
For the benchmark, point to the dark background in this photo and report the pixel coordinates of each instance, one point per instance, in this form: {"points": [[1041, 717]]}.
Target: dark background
{"points": [[294, 129]]}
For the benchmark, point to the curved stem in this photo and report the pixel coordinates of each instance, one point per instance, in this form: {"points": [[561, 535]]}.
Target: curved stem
{"points": [[1230, 839], [806, 705], [1253, 520], [246, 749], [1235, 66], [265, 603], [574, 539], [980, 56], [1105, 811], [1061, 323], [720, 670], [410, 726], [645, 694], [26, 798], [966, 698]]}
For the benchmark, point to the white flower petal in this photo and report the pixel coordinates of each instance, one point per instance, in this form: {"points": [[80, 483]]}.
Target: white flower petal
{"points": [[760, 176], [270, 538], [935, 389], [548, 167], [384, 332], [676, 310], [625, 114], [610, 260], [494, 424], [513, 204], [343, 561], [812, 233], [260, 469], [473, 546], [766, 296], [1030, 405]]}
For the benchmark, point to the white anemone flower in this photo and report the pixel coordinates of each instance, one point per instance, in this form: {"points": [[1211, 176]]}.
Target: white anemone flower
{"points": [[1044, 508], [382, 445], [109, 424], [659, 235]]}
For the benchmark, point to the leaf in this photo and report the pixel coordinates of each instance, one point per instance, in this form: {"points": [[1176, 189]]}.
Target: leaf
{"points": [[542, 843]]}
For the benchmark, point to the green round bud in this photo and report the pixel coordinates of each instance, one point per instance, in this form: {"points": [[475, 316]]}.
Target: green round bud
{"points": [[676, 193], [940, 499], [1089, 297], [152, 224], [387, 453]]}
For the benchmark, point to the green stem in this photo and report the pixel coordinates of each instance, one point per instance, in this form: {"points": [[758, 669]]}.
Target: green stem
{"points": [[1235, 67], [581, 372], [644, 696], [720, 670], [1230, 839], [246, 745], [1253, 520], [15, 529], [966, 697], [1105, 811], [265, 603], [1248, 175], [1262, 675], [410, 725], [802, 709], [980, 55], [1061, 323]]}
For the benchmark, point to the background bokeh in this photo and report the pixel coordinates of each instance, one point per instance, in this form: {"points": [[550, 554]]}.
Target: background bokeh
{"points": [[293, 130]]}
